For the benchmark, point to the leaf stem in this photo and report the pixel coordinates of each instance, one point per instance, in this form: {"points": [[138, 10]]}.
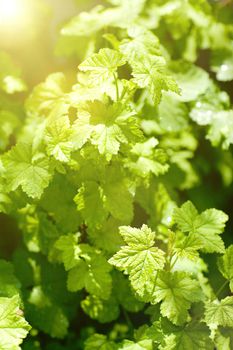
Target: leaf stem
{"points": [[128, 320], [221, 288], [123, 94], [174, 261], [117, 87]]}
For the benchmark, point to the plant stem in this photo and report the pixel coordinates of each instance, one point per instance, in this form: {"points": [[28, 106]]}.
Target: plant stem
{"points": [[128, 320], [117, 88], [174, 262], [221, 288], [123, 93]]}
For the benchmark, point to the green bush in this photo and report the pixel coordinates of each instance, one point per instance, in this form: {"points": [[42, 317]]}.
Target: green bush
{"points": [[107, 177]]}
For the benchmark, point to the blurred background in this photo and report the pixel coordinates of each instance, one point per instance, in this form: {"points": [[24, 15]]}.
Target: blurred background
{"points": [[29, 33]]}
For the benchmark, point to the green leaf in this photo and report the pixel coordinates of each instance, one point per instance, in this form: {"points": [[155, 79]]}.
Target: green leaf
{"points": [[99, 342], [203, 113], [48, 95], [185, 216], [13, 327], [70, 251], [27, 169], [149, 67], [85, 24], [48, 305], [192, 80], [145, 344], [60, 205], [139, 258], [225, 265], [142, 43], [147, 159], [220, 313], [150, 72], [222, 64], [189, 246], [90, 202], [124, 294], [221, 128], [177, 291], [12, 84], [10, 285], [102, 310], [107, 236], [172, 113], [194, 336], [224, 341], [8, 125], [5, 200], [91, 273], [119, 200], [206, 226], [103, 65], [58, 136], [89, 23], [82, 93], [50, 319], [10, 80], [213, 110], [107, 127], [39, 233]]}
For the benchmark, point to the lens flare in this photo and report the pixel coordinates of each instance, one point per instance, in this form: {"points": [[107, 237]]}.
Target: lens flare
{"points": [[11, 11]]}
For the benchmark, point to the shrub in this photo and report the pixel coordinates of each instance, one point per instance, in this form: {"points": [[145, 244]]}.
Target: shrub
{"points": [[110, 177]]}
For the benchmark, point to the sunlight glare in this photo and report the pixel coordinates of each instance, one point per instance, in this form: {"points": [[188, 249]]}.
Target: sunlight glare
{"points": [[11, 11]]}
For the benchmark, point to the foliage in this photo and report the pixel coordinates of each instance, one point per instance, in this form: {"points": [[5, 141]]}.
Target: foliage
{"points": [[110, 177]]}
